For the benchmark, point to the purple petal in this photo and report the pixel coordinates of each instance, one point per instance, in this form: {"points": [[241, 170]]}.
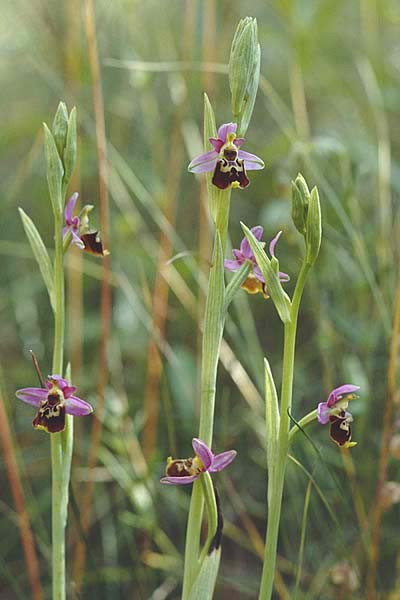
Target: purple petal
{"points": [[65, 231], [76, 406], [216, 144], [273, 244], [32, 396], [69, 208], [61, 382], [77, 240], [323, 413], [283, 277], [251, 161], [340, 391], [238, 142], [204, 162], [225, 129], [203, 452], [258, 274], [221, 461], [178, 480], [245, 249], [232, 265]]}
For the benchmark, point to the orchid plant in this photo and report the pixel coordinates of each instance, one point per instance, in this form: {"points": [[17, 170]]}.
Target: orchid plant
{"points": [[226, 165], [55, 401]]}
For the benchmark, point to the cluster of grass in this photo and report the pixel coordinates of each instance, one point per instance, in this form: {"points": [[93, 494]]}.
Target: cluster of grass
{"points": [[328, 105]]}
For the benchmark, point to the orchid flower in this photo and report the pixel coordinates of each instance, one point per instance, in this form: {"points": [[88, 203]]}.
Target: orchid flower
{"points": [[81, 236], [72, 223], [53, 403], [255, 281], [184, 471], [334, 411], [226, 160]]}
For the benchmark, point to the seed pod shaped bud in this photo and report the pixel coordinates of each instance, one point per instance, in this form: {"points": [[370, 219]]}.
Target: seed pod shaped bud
{"points": [[55, 170], [244, 68], [313, 228], [60, 128], [300, 200]]}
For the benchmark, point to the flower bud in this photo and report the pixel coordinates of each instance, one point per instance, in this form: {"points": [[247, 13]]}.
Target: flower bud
{"points": [[313, 228], [60, 128], [244, 72], [300, 200]]}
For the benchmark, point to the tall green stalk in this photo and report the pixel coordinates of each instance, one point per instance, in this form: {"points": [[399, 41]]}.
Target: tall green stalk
{"points": [[59, 507], [212, 336], [277, 477]]}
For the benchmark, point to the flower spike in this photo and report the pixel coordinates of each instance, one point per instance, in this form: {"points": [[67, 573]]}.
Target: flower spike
{"points": [[228, 162], [255, 282], [183, 471], [53, 403]]}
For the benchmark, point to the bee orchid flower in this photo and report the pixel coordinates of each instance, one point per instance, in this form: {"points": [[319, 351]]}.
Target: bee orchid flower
{"points": [[255, 281], [334, 411], [184, 471], [228, 163], [53, 403]]}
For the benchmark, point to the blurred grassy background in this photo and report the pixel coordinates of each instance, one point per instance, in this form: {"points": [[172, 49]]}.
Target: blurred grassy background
{"points": [[328, 105]]}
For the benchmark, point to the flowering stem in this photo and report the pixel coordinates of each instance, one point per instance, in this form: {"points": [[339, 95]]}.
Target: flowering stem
{"points": [[211, 507], [59, 479], [304, 421], [212, 336], [277, 476]]}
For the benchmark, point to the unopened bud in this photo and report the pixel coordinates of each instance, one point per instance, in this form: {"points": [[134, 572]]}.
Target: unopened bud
{"points": [[70, 150], [60, 128], [313, 228], [300, 200], [244, 72]]}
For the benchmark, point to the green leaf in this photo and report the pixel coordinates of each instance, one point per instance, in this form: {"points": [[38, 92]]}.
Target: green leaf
{"points": [[272, 416], [55, 171], [70, 148], [203, 587], [274, 287], [234, 285], [40, 253]]}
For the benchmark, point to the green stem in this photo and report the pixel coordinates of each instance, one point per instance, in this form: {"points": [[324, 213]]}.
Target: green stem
{"points": [[59, 491], [276, 480], [304, 421], [213, 329], [212, 517]]}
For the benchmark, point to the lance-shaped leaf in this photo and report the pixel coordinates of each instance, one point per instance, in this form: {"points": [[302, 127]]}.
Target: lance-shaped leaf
{"points": [[204, 585], [271, 277], [60, 127], [272, 417], [55, 171], [70, 148], [40, 253], [213, 312], [237, 280]]}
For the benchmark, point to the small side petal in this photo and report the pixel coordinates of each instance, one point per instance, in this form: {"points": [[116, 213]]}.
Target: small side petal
{"points": [[258, 274], [203, 163], [221, 461], [225, 129], [283, 277], [76, 406], [32, 396], [232, 265], [323, 413], [203, 452], [216, 144], [273, 243], [77, 240], [178, 480], [69, 208], [251, 161]]}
